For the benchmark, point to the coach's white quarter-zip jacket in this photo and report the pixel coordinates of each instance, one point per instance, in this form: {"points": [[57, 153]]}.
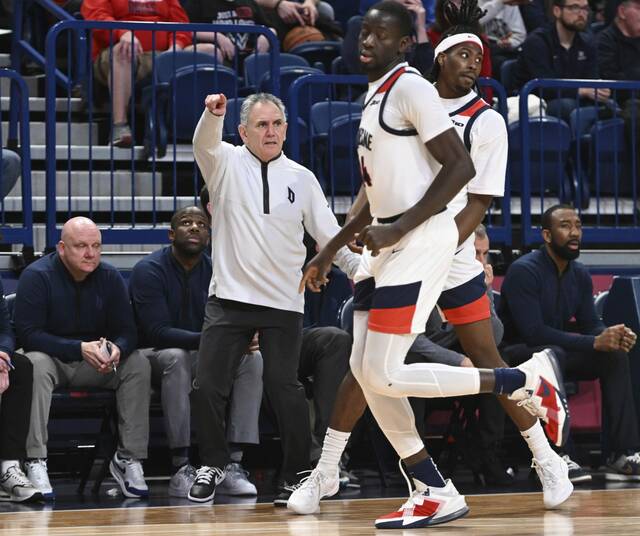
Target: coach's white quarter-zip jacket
{"points": [[259, 213]]}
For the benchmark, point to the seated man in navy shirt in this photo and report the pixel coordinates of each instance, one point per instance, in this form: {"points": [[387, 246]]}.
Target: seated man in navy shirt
{"points": [[562, 50], [169, 290], [16, 380], [74, 320], [541, 293]]}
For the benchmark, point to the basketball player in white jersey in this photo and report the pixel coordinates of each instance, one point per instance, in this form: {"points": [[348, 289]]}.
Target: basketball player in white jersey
{"points": [[404, 268]]}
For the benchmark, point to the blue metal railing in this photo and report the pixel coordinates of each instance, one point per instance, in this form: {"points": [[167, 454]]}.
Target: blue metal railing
{"points": [[125, 220], [20, 233], [611, 162], [321, 153], [499, 223]]}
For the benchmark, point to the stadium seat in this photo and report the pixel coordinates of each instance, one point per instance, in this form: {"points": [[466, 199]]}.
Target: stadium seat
{"points": [[508, 76], [337, 165], [323, 52], [232, 120], [188, 87], [607, 165], [599, 302], [345, 315], [549, 140], [323, 113], [256, 65], [310, 95]]}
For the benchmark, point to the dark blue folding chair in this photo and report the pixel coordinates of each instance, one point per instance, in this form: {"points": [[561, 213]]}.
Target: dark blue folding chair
{"points": [[232, 120], [323, 113], [549, 141]]}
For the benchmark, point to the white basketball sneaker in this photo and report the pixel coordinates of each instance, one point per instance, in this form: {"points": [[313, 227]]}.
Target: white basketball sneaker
{"points": [[543, 395], [554, 476], [425, 508], [305, 499]]}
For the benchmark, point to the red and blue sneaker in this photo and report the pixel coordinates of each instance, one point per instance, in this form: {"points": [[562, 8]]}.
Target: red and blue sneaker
{"points": [[543, 395], [431, 506]]}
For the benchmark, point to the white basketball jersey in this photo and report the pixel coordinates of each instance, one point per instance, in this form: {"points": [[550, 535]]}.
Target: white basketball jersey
{"points": [[484, 134], [402, 111]]}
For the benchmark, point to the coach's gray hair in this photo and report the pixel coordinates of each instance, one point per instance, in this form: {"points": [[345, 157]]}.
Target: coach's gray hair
{"points": [[480, 231], [252, 100]]}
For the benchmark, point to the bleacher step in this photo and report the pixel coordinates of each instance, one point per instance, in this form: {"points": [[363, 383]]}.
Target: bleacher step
{"points": [[184, 153], [34, 83], [37, 132], [99, 181], [37, 104], [104, 203]]}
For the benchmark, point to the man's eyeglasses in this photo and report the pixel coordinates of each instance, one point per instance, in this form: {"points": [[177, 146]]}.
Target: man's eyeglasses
{"points": [[575, 8]]}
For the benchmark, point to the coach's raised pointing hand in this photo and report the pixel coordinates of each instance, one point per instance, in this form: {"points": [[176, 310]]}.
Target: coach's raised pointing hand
{"points": [[216, 104]]}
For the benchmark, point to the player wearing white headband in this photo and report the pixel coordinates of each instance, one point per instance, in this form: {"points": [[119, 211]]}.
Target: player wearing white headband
{"points": [[413, 164]]}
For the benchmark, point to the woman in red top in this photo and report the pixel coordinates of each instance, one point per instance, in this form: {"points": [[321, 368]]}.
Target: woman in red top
{"points": [[127, 46]]}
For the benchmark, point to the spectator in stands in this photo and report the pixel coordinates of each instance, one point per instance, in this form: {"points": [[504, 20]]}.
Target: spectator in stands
{"points": [[297, 22], [262, 204], [113, 52], [442, 24], [226, 46], [541, 294], [505, 31], [16, 381], [74, 319], [420, 56], [10, 169], [619, 59], [533, 12], [562, 50], [169, 292]]}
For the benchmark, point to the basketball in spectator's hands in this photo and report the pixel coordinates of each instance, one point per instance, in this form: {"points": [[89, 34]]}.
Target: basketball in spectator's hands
{"points": [[299, 35], [216, 104]]}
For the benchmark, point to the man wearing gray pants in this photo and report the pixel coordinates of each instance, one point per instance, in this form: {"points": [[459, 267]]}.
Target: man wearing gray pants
{"points": [[74, 320], [169, 291]]}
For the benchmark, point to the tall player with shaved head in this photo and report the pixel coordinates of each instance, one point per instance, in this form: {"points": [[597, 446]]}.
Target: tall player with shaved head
{"points": [[413, 164]]}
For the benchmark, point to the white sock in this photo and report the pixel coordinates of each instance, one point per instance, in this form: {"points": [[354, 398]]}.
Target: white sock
{"points": [[538, 442], [5, 464], [332, 449]]}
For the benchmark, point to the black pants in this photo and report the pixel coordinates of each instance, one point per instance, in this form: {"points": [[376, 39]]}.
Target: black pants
{"points": [[15, 410], [612, 369], [228, 328], [324, 356]]}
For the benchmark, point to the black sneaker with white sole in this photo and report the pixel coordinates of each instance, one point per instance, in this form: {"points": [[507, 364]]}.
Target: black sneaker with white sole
{"points": [[204, 485]]}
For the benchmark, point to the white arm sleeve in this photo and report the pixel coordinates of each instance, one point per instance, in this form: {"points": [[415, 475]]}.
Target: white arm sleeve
{"points": [[347, 261], [514, 20], [489, 148], [209, 150]]}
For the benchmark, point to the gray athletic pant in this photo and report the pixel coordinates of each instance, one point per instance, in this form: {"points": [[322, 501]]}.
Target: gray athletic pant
{"points": [[131, 382], [173, 369]]}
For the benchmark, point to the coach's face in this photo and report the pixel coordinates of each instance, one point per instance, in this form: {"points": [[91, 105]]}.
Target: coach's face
{"points": [[565, 234], [265, 131], [381, 44]]}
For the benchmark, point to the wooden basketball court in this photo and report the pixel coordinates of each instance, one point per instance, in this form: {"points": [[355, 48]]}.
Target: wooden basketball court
{"points": [[588, 512]]}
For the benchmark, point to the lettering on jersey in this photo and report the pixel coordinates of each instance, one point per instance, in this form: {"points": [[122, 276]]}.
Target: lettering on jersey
{"points": [[374, 102], [291, 195], [366, 178], [364, 139], [457, 124]]}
